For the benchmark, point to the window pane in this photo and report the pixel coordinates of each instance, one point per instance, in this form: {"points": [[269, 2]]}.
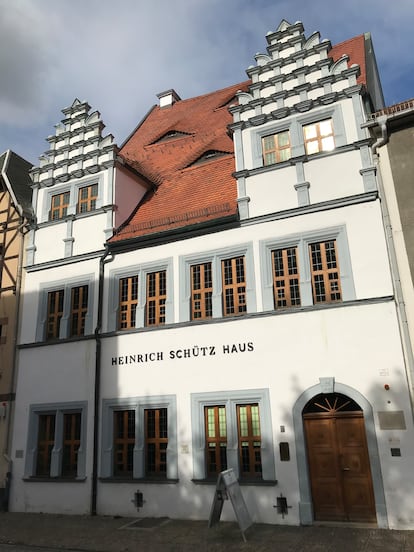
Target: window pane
{"points": [[326, 284], [45, 444], [248, 422], [128, 302], [216, 439], [156, 441], [156, 298], [234, 286], [71, 443], [124, 442], [286, 288]]}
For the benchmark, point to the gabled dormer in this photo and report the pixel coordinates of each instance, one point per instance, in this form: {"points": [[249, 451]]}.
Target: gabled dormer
{"points": [[305, 104], [82, 188]]}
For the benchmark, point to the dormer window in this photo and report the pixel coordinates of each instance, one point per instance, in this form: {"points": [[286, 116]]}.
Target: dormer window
{"points": [[276, 148], [170, 135], [208, 156], [319, 137], [87, 198], [59, 206]]}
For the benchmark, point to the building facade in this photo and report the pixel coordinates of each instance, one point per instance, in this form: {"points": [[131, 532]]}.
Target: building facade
{"points": [[15, 217], [217, 294]]}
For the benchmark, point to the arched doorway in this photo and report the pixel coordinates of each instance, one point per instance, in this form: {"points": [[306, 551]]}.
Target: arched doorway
{"points": [[338, 459]]}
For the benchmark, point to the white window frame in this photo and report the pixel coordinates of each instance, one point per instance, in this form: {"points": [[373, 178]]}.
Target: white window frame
{"points": [[139, 404], [58, 409], [230, 400], [67, 286], [302, 241]]}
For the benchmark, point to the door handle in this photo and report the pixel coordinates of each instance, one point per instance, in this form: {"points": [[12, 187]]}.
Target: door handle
{"points": [[346, 469]]}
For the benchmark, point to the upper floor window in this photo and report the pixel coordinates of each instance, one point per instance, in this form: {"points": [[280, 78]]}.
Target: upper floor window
{"points": [[77, 313], [156, 298], [285, 277], [201, 291], [311, 269], [87, 198], [234, 286], [319, 136], [141, 296], [326, 284], [216, 284], [56, 441], [59, 205], [128, 301], [276, 148], [65, 310]]}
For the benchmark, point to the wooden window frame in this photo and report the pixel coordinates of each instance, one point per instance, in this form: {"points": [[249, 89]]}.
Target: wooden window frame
{"points": [[128, 302], [59, 211], [78, 310], [72, 422], [201, 278], [124, 441], [325, 272], [249, 444], [234, 286], [215, 445], [156, 298], [45, 443], [88, 203], [286, 277], [156, 441], [55, 308], [319, 138], [276, 150]]}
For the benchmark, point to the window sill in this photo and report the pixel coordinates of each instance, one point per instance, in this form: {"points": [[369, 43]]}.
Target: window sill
{"points": [[242, 482], [149, 480], [36, 479]]}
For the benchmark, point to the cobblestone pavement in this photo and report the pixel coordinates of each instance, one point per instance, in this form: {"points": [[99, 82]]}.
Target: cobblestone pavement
{"points": [[113, 534]]}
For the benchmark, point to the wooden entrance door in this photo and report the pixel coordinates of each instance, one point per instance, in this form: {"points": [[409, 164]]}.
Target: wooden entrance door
{"points": [[339, 467]]}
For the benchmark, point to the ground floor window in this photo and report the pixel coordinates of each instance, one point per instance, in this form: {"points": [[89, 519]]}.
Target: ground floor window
{"points": [[140, 438], [57, 441], [233, 430]]}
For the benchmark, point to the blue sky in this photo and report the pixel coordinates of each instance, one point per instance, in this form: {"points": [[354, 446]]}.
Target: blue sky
{"points": [[118, 55]]}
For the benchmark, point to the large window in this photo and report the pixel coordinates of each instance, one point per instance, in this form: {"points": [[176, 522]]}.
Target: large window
{"points": [[56, 447], [63, 200], [319, 137], [233, 430], [141, 296], [140, 438], [313, 268], [217, 284], [65, 310], [276, 148]]}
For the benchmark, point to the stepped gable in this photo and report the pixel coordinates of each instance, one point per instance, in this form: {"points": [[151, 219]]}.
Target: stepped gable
{"points": [[300, 73], [169, 149], [77, 149]]}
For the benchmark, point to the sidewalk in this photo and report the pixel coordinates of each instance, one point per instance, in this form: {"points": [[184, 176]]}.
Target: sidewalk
{"points": [[111, 534]]}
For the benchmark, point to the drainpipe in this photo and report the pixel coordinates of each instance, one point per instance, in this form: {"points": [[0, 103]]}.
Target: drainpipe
{"points": [[94, 494], [12, 389], [399, 297]]}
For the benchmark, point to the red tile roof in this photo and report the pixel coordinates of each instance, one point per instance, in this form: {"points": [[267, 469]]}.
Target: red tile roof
{"points": [[354, 48], [187, 193]]}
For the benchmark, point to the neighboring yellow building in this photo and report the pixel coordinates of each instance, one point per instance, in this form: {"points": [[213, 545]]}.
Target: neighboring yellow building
{"points": [[15, 215]]}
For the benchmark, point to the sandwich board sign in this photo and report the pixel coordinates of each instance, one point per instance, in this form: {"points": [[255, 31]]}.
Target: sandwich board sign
{"points": [[228, 487]]}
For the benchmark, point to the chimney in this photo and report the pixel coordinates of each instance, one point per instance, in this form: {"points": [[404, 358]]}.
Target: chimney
{"points": [[168, 98]]}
